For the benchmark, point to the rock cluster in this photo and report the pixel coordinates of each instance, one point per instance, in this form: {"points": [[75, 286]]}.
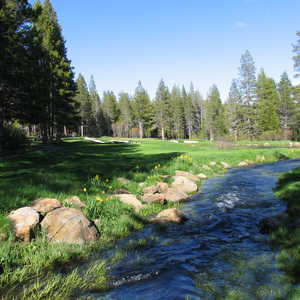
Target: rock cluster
{"points": [[61, 224]]}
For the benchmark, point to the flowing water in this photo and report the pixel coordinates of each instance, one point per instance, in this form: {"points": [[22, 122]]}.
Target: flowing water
{"points": [[217, 253]]}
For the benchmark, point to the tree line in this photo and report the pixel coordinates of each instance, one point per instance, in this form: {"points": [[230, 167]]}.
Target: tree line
{"points": [[256, 107], [38, 92]]}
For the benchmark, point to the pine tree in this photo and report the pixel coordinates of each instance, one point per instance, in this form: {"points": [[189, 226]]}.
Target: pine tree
{"points": [[286, 106], [96, 126], [248, 93], [125, 118], [110, 111], [295, 117], [83, 97], [142, 109], [296, 57], [178, 120], [234, 114], [162, 109], [188, 111], [59, 77], [267, 104], [15, 38], [215, 114], [195, 111]]}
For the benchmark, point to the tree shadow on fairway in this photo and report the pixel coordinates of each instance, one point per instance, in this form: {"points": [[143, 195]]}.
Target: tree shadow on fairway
{"points": [[66, 170]]}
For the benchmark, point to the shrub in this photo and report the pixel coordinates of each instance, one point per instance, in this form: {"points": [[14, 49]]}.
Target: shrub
{"points": [[14, 138]]}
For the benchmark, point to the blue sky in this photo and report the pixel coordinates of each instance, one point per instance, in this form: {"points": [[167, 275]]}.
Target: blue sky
{"points": [[122, 41]]}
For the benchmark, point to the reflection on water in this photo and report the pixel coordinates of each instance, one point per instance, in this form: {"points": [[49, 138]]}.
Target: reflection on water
{"points": [[217, 254]]}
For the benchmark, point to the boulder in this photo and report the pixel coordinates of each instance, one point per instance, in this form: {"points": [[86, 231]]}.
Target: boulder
{"points": [[243, 164], [212, 163], [45, 205], [260, 158], [269, 224], [24, 220], [205, 167], [225, 165], [130, 200], [123, 180], [202, 176], [75, 201], [159, 187], [188, 175], [185, 185], [120, 191], [169, 215], [175, 195], [69, 225], [152, 198]]}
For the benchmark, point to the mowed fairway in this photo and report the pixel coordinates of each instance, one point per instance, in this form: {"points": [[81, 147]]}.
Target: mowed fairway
{"points": [[90, 171]]}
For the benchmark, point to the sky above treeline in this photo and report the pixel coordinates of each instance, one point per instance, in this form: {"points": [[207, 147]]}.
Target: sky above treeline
{"points": [[120, 42]]}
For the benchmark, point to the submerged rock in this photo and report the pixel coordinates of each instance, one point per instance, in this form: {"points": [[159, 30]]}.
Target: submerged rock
{"points": [[24, 220], [169, 215], [69, 225], [269, 224], [45, 205]]}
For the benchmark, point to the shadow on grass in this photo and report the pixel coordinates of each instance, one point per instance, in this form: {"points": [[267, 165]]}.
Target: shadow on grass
{"points": [[66, 170]]}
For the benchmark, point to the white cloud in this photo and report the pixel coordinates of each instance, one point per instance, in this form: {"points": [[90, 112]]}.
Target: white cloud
{"points": [[240, 24]]}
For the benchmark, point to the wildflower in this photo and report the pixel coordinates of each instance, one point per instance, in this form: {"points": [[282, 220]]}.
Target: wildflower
{"points": [[98, 199], [110, 187], [97, 177], [107, 180], [84, 189]]}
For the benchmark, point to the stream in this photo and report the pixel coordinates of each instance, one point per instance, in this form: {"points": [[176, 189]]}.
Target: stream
{"points": [[217, 254]]}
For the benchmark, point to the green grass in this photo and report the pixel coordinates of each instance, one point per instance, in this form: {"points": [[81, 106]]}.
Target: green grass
{"points": [[90, 171], [288, 237]]}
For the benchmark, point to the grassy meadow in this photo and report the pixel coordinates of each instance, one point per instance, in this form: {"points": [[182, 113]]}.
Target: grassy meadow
{"points": [[39, 270]]}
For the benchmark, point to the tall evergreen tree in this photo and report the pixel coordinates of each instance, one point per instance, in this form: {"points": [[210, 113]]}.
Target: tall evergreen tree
{"points": [[215, 114], [125, 118], [162, 109], [61, 86], [286, 104], [296, 50], [178, 116], [142, 109], [267, 104], [248, 93], [188, 111], [110, 111], [234, 110], [15, 37], [83, 97]]}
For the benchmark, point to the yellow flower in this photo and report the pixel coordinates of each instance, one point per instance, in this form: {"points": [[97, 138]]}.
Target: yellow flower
{"points": [[98, 199], [84, 189], [97, 177], [110, 187]]}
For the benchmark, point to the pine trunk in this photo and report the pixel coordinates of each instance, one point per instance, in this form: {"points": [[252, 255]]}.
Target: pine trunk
{"points": [[163, 133], [141, 130]]}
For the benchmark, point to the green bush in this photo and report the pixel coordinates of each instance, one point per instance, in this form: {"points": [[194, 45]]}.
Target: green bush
{"points": [[14, 138]]}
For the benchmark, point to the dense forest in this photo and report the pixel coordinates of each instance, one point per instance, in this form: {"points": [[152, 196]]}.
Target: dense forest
{"points": [[39, 94]]}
